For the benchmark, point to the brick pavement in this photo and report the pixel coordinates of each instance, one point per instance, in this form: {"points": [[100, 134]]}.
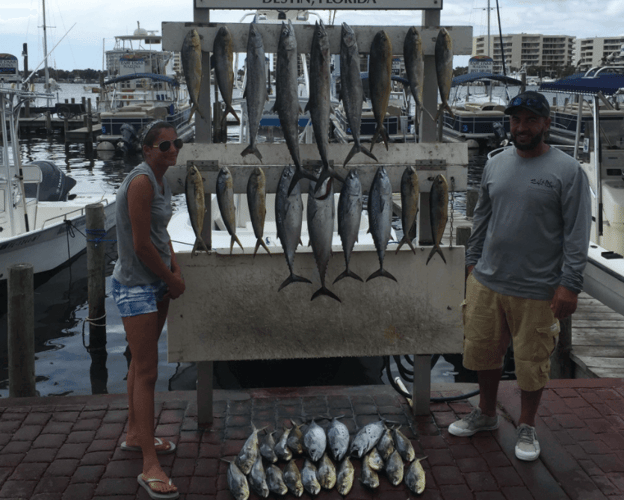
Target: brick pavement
{"points": [[68, 448]]}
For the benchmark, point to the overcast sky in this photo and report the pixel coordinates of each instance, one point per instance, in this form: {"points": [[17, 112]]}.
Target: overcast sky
{"points": [[98, 21]]}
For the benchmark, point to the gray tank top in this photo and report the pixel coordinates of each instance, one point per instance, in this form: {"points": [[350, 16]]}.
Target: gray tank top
{"points": [[129, 269]]}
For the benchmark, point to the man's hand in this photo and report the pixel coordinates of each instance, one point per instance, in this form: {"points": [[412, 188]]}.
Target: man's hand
{"points": [[469, 270], [563, 303]]}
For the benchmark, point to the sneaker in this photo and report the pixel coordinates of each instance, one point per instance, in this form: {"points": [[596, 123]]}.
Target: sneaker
{"points": [[473, 423], [527, 447]]}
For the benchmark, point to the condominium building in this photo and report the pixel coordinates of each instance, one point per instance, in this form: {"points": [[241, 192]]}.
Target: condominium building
{"points": [[592, 52], [525, 49]]}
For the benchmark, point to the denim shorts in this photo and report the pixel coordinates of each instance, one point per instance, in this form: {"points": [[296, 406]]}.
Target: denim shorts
{"points": [[140, 299]]}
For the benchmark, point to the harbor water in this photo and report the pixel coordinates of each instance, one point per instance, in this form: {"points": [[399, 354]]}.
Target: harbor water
{"points": [[64, 365]]}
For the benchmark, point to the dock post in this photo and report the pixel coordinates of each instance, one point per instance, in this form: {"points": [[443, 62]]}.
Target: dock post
{"points": [[462, 235], [204, 393], [472, 197], [21, 331], [96, 289], [421, 388], [48, 123], [89, 143], [561, 366]]}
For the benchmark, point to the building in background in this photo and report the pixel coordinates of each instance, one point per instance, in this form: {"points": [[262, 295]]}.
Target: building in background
{"points": [[591, 52]]}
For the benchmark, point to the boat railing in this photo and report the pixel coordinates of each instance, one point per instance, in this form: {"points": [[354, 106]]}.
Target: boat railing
{"points": [[64, 216]]}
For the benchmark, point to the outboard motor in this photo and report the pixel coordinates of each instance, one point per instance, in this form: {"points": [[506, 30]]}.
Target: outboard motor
{"points": [[127, 143], [55, 185], [500, 135]]}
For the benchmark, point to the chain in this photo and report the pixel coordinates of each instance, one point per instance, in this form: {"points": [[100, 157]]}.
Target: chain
{"points": [[452, 208]]}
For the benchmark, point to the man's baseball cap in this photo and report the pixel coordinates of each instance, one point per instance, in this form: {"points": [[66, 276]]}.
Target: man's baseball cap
{"points": [[530, 100]]}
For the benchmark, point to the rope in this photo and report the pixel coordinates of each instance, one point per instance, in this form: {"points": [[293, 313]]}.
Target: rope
{"points": [[91, 322]]}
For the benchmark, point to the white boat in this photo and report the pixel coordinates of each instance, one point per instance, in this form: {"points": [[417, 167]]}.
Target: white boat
{"points": [[46, 234]]}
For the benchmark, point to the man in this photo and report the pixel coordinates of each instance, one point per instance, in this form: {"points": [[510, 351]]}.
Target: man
{"points": [[525, 261]]}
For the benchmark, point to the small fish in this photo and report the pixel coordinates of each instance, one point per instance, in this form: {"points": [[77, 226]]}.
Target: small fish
{"points": [[385, 446], [267, 447], [415, 69], [403, 445], [308, 478], [380, 218], [275, 480], [224, 69], [410, 193], [415, 477], [237, 482], [374, 460], [369, 477], [394, 468], [191, 55], [338, 439], [225, 198], [326, 473], [256, 199], [346, 474], [349, 216], [366, 438], [444, 69], [438, 213], [196, 204], [257, 478], [292, 478], [295, 439], [249, 452], [380, 81], [281, 448], [314, 441]]}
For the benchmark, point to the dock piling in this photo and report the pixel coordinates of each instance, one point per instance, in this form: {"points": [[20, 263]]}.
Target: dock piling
{"points": [[21, 334]]}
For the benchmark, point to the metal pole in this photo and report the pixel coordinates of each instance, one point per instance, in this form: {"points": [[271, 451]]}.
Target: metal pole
{"points": [[21, 334], [579, 117], [597, 166]]}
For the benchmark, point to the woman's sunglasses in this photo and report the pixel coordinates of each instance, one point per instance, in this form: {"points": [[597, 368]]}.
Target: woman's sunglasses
{"points": [[165, 145]]}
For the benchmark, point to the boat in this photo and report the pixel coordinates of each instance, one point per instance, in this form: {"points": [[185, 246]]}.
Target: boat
{"points": [[141, 86], [41, 223]]}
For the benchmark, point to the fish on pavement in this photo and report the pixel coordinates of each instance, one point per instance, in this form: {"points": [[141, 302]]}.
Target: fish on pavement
{"points": [[256, 199], [287, 98], [438, 213], [410, 191], [196, 205], [366, 438], [394, 468], [281, 447], [319, 104], [191, 55], [308, 478], [321, 230], [338, 439], [224, 71], [374, 460], [256, 87], [225, 199], [275, 480], [349, 216], [289, 219], [403, 445], [351, 89], [345, 477], [267, 447], [237, 482], [292, 478], [326, 473], [379, 80], [257, 478], [415, 477], [415, 68], [314, 441], [380, 218], [249, 452], [444, 69], [295, 439], [385, 446], [369, 477]]}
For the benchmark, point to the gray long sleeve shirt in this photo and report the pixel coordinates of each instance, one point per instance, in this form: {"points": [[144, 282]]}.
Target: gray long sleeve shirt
{"points": [[531, 225]]}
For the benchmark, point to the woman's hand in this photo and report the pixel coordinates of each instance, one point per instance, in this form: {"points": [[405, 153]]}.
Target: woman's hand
{"points": [[176, 285]]}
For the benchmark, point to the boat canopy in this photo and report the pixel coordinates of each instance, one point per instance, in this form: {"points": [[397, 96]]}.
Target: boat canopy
{"points": [[395, 78], [138, 76], [482, 75], [607, 83]]}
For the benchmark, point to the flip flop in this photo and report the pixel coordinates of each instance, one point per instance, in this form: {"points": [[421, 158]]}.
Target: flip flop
{"points": [[157, 442], [145, 483]]}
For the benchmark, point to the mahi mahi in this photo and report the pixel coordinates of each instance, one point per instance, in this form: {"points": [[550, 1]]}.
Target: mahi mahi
{"points": [[379, 80], [255, 88], [292, 478], [444, 69], [438, 213], [369, 478], [374, 460], [394, 468], [249, 452], [281, 447], [321, 230], [257, 478], [309, 479], [410, 192], [224, 72], [345, 476], [385, 446], [289, 218], [349, 216], [351, 89], [415, 69], [415, 477], [191, 55], [256, 199], [326, 473], [275, 480], [237, 482], [225, 199], [403, 445], [267, 447], [196, 204], [380, 218]]}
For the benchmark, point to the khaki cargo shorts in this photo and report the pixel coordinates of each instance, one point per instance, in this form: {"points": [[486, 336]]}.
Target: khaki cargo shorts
{"points": [[491, 320]]}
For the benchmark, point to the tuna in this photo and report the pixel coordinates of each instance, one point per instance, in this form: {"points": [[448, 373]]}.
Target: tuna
{"points": [[349, 216], [314, 441], [379, 80], [338, 439], [380, 218], [366, 438]]}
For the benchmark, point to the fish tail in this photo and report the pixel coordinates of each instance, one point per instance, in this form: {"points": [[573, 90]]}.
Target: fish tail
{"points": [[348, 273], [293, 278], [404, 240], [384, 136], [300, 173], [326, 173], [260, 242], [374, 139], [324, 291], [358, 149], [199, 242], [193, 109], [235, 239], [252, 149], [381, 272], [434, 250], [443, 106], [427, 111], [230, 109]]}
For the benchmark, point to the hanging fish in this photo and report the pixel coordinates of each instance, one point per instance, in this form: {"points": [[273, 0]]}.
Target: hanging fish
{"points": [[191, 55], [444, 69], [224, 72], [225, 199], [410, 192], [196, 205], [438, 213], [256, 199]]}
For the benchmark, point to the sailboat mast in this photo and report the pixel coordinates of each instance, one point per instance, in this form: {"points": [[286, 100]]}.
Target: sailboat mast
{"points": [[488, 16], [45, 52]]}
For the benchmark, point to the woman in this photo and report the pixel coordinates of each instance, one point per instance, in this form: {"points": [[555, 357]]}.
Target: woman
{"points": [[145, 278]]}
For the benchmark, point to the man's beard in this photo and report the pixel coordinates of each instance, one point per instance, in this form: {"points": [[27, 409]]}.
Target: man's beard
{"points": [[531, 145]]}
